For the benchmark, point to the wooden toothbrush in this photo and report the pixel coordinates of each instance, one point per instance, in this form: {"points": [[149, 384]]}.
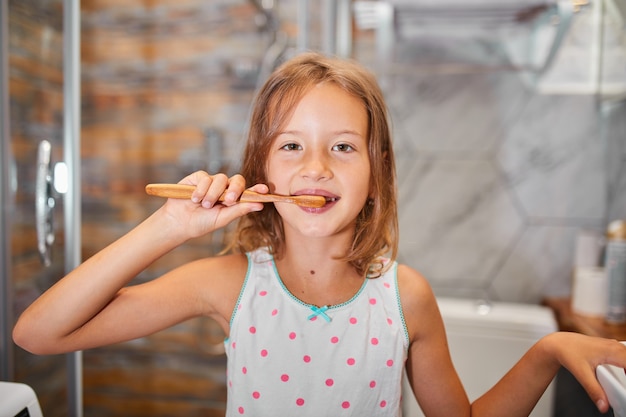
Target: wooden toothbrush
{"points": [[182, 191]]}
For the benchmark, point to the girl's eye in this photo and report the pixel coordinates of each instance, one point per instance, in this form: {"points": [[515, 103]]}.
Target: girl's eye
{"points": [[291, 147], [343, 147]]}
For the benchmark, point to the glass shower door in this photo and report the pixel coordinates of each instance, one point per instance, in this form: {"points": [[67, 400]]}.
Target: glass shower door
{"points": [[33, 180]]}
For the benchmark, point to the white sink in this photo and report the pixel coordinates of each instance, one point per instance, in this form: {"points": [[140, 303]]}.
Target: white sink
{"points": [[613, 380]]}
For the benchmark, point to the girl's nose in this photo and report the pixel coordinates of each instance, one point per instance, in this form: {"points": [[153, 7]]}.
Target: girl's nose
{"points": [[316, 167]]}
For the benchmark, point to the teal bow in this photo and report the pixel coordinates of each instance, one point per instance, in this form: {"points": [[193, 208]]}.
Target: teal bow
{"points": [[319, 311]]}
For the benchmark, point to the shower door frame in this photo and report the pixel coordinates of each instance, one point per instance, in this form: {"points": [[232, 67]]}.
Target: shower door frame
{"points": [[71, 155]]}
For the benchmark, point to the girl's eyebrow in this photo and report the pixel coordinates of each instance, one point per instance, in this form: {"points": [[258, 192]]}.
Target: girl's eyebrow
{"points": [[337, 133], [288, 132], [348, 132]]}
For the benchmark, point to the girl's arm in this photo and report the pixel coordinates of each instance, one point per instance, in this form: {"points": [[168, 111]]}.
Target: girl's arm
{"points": [[431, 373], [89, 307], [520, 389], [438, 388]]}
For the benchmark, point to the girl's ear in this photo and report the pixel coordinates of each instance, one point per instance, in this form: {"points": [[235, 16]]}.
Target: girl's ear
{"points": [[371, 195]]}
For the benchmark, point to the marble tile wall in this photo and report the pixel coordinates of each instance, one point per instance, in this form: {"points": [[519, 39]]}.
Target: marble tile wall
{"points": [[496, 176], [614, 134]]}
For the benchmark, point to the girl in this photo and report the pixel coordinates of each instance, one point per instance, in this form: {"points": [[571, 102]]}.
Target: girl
{"points": [[317, 321]]}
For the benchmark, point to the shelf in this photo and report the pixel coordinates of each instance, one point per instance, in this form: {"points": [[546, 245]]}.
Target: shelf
{"points": [[592, 326]]}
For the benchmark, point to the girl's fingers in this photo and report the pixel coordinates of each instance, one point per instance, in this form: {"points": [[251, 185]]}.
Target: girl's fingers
{"points": [[260, 188], [209, 189], [218, 184], [236, 186], [202, 181], [201, 189], [595, 391]]}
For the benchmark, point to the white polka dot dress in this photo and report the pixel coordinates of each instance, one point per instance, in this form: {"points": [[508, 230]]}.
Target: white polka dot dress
{"points": [[289, 358]]}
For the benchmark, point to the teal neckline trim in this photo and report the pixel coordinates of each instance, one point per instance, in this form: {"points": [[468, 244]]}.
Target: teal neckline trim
{"points": [[317, 310]]}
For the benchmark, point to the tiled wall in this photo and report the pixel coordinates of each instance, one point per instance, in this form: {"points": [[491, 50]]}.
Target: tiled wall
{"points": [[497, 178]]}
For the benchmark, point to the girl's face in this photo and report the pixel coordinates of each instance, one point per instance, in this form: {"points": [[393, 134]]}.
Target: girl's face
{"points": [[322, 150]]}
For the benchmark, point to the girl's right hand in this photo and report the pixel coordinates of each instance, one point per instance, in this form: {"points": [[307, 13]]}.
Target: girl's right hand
{"points": [[203, 213]]}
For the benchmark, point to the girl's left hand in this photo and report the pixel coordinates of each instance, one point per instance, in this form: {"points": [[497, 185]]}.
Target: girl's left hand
{"points": [[581, 355]]}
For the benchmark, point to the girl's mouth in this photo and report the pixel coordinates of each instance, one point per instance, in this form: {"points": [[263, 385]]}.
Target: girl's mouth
{"points": [[330, 197]]}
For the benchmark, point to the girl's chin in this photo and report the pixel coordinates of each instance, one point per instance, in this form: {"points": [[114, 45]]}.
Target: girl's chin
{"points": [[322, 231]]}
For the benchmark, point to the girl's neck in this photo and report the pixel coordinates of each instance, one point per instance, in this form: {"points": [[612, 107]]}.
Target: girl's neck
{"points": [[316, 254], [313, 274]]}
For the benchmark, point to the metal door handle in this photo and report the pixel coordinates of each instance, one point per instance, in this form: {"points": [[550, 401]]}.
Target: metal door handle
{"points": [[44, 203]]}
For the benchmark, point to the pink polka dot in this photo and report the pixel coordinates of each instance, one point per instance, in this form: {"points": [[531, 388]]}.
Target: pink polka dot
{"points": [[389, 321], [239, 307], [234, 345], [345, 404], [372, 301], [252, 329], [300, 402], [284, 377], [383, 404], [374, 341], [351, 361], [292, 335], [387, 285], [264, 352], [313, 318], [330, 382], [244, 370], [274, 312], [306, 358], [334, 339], [256, 395], [240, 409], [390, 362], [372, 384], [352, 320], [263, 293]]}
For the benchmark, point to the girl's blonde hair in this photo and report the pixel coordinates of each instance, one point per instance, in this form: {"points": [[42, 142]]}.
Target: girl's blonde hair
{"points": [[376, 232]]}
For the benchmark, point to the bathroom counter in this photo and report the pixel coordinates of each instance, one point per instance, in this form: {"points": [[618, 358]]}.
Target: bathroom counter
{"points": [[591, 326]]}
